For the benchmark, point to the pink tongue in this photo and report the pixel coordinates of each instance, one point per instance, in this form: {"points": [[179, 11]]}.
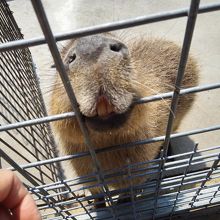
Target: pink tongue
{"points": [[103, 107]]}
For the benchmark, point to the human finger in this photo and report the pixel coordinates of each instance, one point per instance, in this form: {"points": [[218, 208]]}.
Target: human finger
{"points": [[15, 197]]}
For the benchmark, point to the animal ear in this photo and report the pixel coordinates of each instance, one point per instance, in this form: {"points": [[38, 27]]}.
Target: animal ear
{"points": [[66, 47], [65, 65]]}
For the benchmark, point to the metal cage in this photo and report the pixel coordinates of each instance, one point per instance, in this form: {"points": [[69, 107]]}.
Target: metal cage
{"points": [[26, 135]]}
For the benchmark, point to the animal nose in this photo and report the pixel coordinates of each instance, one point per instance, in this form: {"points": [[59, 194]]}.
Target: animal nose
{"points": [[91, 48], [116, 47]]}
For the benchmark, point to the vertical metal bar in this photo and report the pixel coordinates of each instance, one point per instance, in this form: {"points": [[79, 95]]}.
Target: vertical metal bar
{"points": [[132, 192], [213, 167], [192, 15], [59, 171], [46, 200], [78, 200], [28, 115], [42, 18], [182, 65], [183, 178], [157, 189], [214, 195]]}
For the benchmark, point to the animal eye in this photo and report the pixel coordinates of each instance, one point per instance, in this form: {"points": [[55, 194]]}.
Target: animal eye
{"points": [[72, 58]]}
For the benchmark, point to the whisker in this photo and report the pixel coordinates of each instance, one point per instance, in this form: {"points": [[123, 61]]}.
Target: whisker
{"points": [[50, 91], [156, 93], [52, 87]]}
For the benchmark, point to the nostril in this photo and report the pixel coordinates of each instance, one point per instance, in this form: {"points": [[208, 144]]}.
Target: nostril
{"points": [[116, 47], [72, 58]]}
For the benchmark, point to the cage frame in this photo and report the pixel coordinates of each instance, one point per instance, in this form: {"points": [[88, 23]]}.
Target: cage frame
{"points": [[50, 39]]}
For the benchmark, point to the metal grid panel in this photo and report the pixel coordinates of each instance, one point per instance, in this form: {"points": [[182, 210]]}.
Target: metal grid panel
{"points": [[164, 195], [20, 101]]}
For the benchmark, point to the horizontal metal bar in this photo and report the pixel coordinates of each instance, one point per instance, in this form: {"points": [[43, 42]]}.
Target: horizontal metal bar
{"points": [[194, 160], [164, 202], [117, 147], [158, 139], [75, 182], [182, 93], [189, 152], [143, 194], [109, 27], [140, 101], [192, 174], [37, 121], [169, 180], [198, 176], [185, 191]]}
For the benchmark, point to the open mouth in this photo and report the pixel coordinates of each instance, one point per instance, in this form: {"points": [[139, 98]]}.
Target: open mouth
{"points": [[107, 117], [112, 121]]}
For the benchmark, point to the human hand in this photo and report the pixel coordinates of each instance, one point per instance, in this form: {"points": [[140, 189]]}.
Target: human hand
{"points": [[15, 201]]}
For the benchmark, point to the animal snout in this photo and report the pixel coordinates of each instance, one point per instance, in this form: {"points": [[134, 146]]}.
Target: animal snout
{"points": [[90, 49]]}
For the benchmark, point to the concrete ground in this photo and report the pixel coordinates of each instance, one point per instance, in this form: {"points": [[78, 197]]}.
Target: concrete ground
{"points": [[71, 14]]}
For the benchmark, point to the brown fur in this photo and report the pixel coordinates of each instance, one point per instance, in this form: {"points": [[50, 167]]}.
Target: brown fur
{"points": [[152, 66]]}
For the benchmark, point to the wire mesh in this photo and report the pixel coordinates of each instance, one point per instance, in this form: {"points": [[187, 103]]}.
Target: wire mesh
{"points": [[21, 100], [175, 186]]}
